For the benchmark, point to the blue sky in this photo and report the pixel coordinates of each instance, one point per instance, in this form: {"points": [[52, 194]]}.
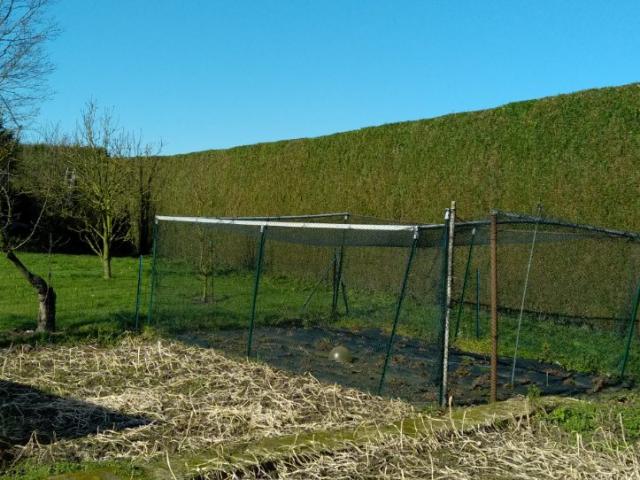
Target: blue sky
{"points": [[213, 74]]}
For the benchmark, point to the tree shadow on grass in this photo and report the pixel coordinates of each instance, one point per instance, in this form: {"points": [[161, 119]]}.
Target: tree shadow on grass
{"points": [[28, 413], [101, 329]]}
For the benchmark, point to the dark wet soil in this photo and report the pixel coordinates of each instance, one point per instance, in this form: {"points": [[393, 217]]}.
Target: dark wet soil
{"points": [[412, 373]]}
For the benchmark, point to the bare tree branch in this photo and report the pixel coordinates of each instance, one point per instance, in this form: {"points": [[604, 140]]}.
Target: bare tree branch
{"points": [[10, 241], [25, 28], [101, 159]]}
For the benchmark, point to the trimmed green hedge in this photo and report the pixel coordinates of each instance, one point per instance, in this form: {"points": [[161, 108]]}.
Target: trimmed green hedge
{"points": [[578, 154]]}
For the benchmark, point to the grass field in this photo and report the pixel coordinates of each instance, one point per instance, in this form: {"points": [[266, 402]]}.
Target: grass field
{"points": [[89, 306]]}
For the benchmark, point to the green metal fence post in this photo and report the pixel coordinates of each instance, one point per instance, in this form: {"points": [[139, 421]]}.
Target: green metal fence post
{"points": [[334, 286], [338, 281], [464, 282], [138, 293], [256, 286], [477, 303], [337, 278], [396, 317], [344, 298], [152, 285], [632, 321], [321, 279]]}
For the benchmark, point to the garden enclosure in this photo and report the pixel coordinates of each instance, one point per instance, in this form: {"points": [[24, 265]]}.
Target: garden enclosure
{"points": [[289, 290]]}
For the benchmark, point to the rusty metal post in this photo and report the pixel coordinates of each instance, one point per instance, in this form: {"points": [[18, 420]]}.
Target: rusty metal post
{"points": [[493, 238]]}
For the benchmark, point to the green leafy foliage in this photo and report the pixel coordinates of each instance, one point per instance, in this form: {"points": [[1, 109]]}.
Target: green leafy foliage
{"points": [[29, 470], [533, 392], [577, 154], [619, 415], [581, 418]]}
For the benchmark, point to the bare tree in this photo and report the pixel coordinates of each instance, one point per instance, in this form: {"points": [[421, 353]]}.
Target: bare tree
{"points": [[100, 182], [204, 204], [148, 177], [16, 232], [206, 263], [25, 27]]}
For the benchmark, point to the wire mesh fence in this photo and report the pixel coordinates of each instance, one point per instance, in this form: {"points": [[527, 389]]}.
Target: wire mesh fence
{"points": [[295, 295], [342, 303], [363, 302], [566, 295]]}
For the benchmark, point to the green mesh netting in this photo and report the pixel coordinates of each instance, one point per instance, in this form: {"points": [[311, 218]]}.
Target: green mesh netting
{"points": [[335, 280]]}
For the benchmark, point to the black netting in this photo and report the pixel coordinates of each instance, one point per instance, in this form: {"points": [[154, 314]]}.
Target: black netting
{"points": [[335, 281], [565, 298], [203, 281], [319, 289]]}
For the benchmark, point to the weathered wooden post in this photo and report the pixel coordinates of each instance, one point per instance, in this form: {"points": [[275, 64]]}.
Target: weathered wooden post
{"points": [[493, 238], [449, 289]]}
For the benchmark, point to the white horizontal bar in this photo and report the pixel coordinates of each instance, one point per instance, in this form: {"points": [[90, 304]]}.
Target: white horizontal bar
{"points": [[288, 217], [309, 225]]}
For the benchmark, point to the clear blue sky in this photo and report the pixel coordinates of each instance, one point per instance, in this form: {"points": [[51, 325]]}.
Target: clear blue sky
{"points": [[213, 74]]}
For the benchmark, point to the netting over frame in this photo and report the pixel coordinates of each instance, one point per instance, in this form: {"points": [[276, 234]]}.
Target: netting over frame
{"points": [[566, 296], [321, 285], [336, 280]]}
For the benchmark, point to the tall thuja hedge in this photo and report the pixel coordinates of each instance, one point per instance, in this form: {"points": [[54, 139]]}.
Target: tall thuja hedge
{"points": [[579, 154]]}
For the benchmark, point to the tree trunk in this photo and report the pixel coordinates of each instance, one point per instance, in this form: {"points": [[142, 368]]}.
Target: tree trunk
{"points": [[106, 258], [47, 311], [46, 296], [205, 289], [106, 266]]}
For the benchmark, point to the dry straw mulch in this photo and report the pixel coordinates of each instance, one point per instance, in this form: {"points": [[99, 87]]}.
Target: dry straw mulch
{"points": [[521, 451], [150, 398], [160, 399]]}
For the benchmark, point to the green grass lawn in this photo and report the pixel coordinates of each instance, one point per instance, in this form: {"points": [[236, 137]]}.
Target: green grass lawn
{"points": [[89, 306]]}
